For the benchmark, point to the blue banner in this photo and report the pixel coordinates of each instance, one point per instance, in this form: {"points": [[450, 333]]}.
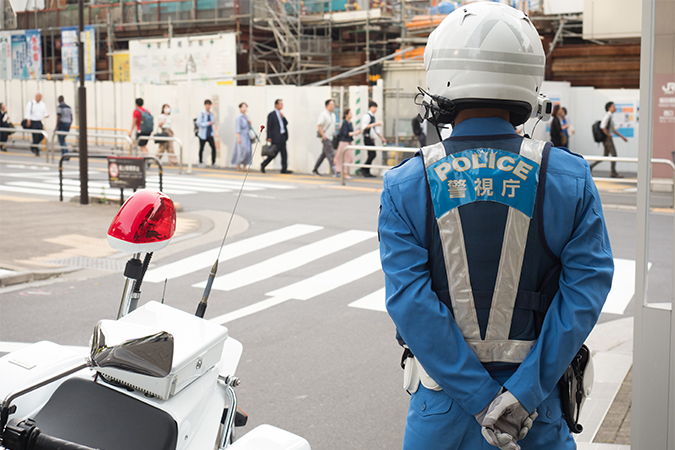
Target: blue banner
{"points": [[483, 175]]}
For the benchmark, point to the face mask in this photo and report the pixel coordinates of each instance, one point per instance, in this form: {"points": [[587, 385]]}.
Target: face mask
{"points": [[167, 110]]}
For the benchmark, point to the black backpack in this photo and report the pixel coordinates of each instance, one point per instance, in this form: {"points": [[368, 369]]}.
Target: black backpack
{"points": [[196, 127], [598, 134], [416, 126]]}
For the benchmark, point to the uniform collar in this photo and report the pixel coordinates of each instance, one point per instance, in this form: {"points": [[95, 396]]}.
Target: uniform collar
{"points": [[483, 127]]}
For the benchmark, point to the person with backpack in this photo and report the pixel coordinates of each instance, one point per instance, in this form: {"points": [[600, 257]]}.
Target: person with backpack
{"points": [[143, 123], [369, 125], [606, 125]]}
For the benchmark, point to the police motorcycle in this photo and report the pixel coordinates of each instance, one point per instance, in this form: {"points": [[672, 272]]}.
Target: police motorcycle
{"points": [[157, 378]]}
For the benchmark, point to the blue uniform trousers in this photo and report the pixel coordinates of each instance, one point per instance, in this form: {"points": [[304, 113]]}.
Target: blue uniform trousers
{"points": [[436, 422]]}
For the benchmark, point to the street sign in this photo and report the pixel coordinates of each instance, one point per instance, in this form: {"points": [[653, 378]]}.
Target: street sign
{"points": [[126, 172]]}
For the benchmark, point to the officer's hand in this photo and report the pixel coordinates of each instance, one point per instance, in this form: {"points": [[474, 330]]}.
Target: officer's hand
{"points": [[506, 416]]}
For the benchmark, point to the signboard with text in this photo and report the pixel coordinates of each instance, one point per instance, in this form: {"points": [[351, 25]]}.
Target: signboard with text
{"points": [[126, 172]]}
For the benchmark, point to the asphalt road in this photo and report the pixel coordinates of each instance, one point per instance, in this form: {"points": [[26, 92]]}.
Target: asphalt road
{"points": [[317, 366]]}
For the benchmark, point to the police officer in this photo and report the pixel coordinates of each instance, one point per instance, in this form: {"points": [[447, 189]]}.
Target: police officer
{"points": [[496, 256]]}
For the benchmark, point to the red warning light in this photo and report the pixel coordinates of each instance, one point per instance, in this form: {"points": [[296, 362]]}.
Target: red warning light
{"points": [[145, 223]]}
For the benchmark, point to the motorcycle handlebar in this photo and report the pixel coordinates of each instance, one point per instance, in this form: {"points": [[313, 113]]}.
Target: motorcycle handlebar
{"points": [[25, 435], [44, 442]]}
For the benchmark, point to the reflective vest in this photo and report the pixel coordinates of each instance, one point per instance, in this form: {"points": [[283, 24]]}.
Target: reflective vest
{"points": [[488, 257]]}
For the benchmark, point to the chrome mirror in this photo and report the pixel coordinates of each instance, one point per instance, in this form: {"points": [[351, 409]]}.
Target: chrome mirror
{"points": [[150, 355]]}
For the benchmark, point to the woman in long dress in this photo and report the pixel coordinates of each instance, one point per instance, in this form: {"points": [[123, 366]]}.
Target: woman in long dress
{"points": [[242, 148]]}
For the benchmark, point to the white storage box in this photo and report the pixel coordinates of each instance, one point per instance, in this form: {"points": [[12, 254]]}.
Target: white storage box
{"points": [[198, 345]]}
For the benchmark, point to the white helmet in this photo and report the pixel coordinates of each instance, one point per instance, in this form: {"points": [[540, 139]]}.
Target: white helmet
{"points": [[484, 55]]}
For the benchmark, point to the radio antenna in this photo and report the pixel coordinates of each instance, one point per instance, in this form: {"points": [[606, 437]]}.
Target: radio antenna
{"points": [[201, 308]]}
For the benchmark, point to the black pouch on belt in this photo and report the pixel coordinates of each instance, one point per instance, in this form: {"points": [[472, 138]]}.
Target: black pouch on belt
{"points": [[575, 385]]}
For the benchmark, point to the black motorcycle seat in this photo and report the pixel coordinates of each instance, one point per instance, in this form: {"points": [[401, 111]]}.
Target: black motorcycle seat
{"points": [[97, 416]]}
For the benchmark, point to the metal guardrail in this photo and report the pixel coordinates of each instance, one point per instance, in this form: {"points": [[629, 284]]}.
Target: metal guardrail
{"points": [[68, 156], [166, 139], [124, 137], [371, 148], [635, 161], [32, 131]]}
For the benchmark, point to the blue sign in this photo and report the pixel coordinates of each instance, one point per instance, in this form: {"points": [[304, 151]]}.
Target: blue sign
{"points": [[483, 174]]}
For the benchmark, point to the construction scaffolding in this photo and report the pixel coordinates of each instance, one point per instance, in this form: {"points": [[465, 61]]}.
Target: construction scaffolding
{"points": [[278, 41]]}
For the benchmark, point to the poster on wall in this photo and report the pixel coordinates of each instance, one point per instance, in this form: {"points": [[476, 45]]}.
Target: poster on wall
{"points": [[168, 60], [34, 54], [19, 58], [5, 56], [69, 55], [121, 67], [625, 118]]}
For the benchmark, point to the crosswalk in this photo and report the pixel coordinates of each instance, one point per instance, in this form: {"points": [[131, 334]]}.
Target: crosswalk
{"points": [[262, 269], [302, 255], [35, 181]]}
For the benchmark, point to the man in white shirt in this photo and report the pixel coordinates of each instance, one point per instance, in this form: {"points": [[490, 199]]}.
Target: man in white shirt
{"points": [[367, 124], [326, 126], [607, 126], [36, 112]]}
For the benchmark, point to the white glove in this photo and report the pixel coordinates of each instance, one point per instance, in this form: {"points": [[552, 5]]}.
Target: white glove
{"points": [[506, 422]]}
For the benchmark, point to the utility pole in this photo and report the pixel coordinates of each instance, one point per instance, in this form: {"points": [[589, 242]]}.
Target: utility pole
{"points": [[82, 110]]}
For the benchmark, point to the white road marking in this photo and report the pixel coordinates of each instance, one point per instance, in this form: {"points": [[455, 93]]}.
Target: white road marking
{"points": [[205, 259], [331, 279], [248, 310], [373, 302], [288, 261], [311, 287], [623, 286]]}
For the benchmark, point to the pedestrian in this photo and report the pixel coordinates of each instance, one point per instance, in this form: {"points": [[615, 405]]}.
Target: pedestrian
{"points": [[143, 123], [165, 123], [277, 135], [368, 126], [492, 293], [568, 129], [607, 126], [326, 132], [205, 123], [558, 136], [346, 137], [5, 122], [64, 119], [242, 148], [36, 112], [420, 130]]}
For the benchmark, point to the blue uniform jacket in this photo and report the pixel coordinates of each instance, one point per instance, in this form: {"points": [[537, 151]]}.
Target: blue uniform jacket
{"points": [[575, 231]]}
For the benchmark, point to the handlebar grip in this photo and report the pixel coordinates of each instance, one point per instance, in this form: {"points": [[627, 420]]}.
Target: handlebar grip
{"points": [[44, 442]]}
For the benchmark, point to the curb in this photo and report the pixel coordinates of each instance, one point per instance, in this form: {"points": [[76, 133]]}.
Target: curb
{"points": [[37, 275]]}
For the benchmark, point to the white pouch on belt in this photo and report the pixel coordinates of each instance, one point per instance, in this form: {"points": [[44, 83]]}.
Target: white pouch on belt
{"points": [[414, 374], [411, 378]]}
